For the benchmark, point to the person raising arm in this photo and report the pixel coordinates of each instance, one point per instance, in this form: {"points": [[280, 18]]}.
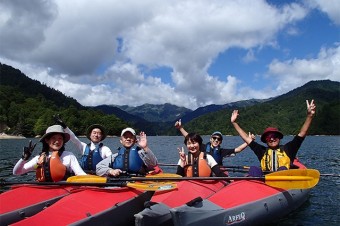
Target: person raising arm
{"points": [[213, 147], [274, 156]]}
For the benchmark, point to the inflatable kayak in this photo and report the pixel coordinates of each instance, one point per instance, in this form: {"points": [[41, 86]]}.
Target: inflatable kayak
{"points": [[244, 202], [93, 206], [157, 211], [240, 203], [24, 201]]}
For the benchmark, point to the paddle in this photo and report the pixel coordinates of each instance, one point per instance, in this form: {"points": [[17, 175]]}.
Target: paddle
{"points": [[286, 179], [140, 185], [244, 169], [147, 186], [222, 167]]}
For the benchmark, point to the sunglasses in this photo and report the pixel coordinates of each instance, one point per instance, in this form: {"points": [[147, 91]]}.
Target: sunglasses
{"points": [[216, 138], [272, 137]]}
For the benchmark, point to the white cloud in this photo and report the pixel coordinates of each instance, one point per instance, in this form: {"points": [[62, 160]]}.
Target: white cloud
{"points": [[330, 7], [296, 72], [95, 51]]}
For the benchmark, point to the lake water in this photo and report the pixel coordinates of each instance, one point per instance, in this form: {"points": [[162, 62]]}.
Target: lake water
{"points": [[317, 152]]}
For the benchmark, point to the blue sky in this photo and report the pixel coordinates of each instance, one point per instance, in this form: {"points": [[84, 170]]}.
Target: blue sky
{"points": [[189, 53]]}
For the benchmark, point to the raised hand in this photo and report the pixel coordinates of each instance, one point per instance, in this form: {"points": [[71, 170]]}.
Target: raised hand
{"points": [[178, 124], [27, 151], [252, 136], [182, 156], [142, 141], [59, 121], [234, 116], [311, 108]]}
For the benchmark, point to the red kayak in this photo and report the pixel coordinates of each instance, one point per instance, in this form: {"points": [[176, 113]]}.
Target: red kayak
{"points": [[157, 210], [243, 202], [93, 206], [26, 200]]}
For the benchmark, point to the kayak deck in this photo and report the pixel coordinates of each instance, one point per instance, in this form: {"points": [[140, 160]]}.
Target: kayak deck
{"points": [[157, 211], [92, 206], [26, 200], [241, 203]]}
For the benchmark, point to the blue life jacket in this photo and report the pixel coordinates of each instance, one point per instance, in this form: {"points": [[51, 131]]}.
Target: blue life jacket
{"points": [[90, 159], [128, 160], [215, 153]]}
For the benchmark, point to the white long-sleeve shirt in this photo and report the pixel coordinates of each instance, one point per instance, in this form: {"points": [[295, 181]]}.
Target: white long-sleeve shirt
{"points": [[81, 146], [67, 158]]}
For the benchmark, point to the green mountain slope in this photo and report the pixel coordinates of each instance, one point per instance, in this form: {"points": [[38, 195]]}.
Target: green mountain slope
{"points": [[286, 112], [27, 107]]}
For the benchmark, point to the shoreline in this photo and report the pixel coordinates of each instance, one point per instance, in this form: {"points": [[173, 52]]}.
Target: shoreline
{"points": [[6, 136]]}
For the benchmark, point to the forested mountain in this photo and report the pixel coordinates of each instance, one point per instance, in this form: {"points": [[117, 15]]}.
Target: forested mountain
{"points": [[213, 108], [27, 107], [286, 112]]}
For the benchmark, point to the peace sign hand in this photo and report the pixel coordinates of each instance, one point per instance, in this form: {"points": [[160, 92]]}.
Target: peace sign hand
{"points": [[27, 151], [311, 108]]}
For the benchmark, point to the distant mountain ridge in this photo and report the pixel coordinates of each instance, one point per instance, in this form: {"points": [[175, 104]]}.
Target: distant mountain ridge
{"points": [[214, 108], [29, 109], [169, 112]]}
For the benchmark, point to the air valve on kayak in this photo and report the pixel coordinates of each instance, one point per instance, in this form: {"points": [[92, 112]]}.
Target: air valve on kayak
{"points": [[148, 204], [194, 201]]}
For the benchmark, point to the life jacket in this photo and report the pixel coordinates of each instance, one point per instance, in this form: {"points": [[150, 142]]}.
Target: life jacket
{"points": [[49, 171], [215, 153], [90, 159], [198, 168], [129, 160], [280, 159]]}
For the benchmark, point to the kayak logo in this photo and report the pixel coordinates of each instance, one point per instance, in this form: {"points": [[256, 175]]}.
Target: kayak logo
{"points": [[236, 218], [165, 187]]}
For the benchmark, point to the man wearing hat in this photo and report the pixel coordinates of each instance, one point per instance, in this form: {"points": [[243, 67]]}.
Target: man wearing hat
{"points": [[213, 147], [275, 156], [133, 158], [93, 152], [54, 163]]}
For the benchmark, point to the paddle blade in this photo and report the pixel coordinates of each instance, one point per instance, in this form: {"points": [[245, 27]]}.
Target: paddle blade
{"points": [[293, 179], [153, 186], [87, 179], [121, 182]]}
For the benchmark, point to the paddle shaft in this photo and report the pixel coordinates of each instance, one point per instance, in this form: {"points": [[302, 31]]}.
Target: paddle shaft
{"points": [[156, 186], [64, 183], [274, 178], [222, 167], [244, 169]]}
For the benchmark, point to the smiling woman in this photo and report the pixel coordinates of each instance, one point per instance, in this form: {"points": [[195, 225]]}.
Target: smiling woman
{"points": [[214, 146], [54, 163]]}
